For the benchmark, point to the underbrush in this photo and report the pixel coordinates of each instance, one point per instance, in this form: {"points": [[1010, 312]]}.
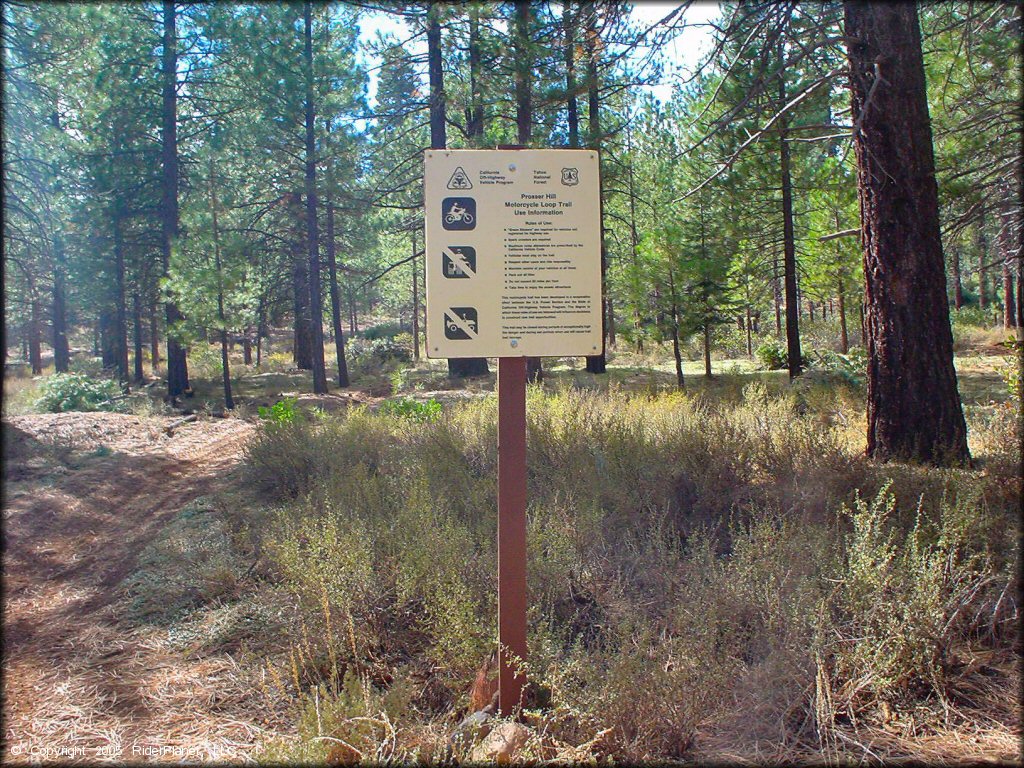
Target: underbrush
{"points": [[694, 568]]}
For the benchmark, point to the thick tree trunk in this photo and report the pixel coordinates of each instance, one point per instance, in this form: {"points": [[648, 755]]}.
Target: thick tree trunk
{"points": [[475, 112], [569, 17], [35, 339], [61, 350], [312, 232], [302, 332], [457, 367], [415, 302], [958, 285], [981, 239], [139, 374], [596, 363], [177, 361], [177, 364], [524, 62], [677, 354], [121, 327], [914, 410], [789, 244], [225, 366], [339, 333], [1007, 237], [154, 337]]}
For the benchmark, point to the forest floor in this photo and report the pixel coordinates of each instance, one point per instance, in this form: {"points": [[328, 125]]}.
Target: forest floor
{"points": [[86, 493], [95, 667]]}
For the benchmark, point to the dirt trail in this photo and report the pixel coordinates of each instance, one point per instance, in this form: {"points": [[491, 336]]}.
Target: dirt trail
{"points": [[81, 682]]}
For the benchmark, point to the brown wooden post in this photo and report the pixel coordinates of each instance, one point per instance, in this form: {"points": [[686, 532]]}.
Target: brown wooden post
{"points": [[511, 531]]}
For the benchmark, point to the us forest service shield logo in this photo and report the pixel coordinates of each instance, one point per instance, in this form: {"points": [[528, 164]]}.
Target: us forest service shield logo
{"points": [[570, 177]]}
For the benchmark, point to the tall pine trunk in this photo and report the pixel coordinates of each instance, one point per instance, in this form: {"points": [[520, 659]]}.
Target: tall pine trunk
{"points": [[138, 373], [339, 333], [914, 410], [61, 350], [958, 284], [596, 363], [225, 367], [981, 240], [415, 301], [788, 237], [302, 336], [121, 325], [177, 362], [470, 366], [312, 232], [523, 52]]}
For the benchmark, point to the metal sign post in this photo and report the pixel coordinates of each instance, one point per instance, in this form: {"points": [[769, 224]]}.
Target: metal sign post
{"points": [[511, 531], [513, 265]]}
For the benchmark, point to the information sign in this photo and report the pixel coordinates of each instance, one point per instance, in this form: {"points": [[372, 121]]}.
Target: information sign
{"points": [[513, 253]]}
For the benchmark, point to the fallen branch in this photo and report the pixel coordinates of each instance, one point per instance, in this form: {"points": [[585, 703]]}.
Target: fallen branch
{"points": [[169, 429]]}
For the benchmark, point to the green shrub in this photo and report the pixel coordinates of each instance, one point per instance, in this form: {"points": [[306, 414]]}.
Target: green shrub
{"points": [[78, 392], [414, 410], [685, 562], [381, 331], [282, 412], [772, 355]]}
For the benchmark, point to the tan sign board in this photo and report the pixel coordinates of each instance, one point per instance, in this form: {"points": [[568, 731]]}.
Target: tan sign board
{"points": [[513, 252]]}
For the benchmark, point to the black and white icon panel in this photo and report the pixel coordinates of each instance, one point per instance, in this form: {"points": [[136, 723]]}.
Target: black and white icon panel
{"points": [[460, 323], [458, 261], [458, 213]]}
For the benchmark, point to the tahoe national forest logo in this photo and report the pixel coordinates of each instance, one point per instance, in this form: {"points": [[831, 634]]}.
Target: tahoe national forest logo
{"points": [[570, 177]]}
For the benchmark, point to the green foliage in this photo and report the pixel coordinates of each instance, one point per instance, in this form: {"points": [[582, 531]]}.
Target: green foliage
{"points": [[280, 413], [772, 355], [679, 547], [850, 368], [414, 410], [384, 330], [380, 351], [78, 392]]}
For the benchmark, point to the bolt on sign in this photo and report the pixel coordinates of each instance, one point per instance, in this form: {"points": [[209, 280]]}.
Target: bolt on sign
{"points": [[513, 253]]}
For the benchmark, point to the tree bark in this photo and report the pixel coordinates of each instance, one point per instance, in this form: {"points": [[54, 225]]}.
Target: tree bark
{"points": [[475, 113], [981, 240], [677, 354], [35, 345], [523, 63], [137, 336], [61, 350], [794, 355], [415, 302], [1007, 237], [707, 349], [596, 363], [457, 367], [958, 285], [302, 332], [154, 337], [339, 333], [121, 325], [225, 366], [569, 18], [914, 410], [312, 232], [177, 361]]}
